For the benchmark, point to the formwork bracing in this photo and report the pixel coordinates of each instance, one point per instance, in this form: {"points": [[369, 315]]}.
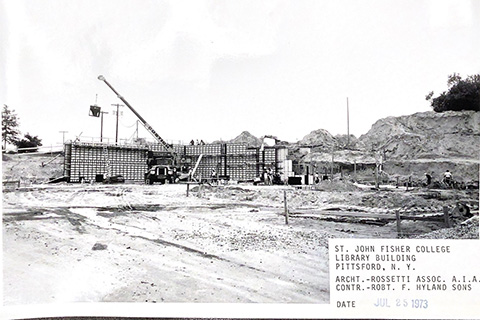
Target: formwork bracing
{"points": [[88, 161]]}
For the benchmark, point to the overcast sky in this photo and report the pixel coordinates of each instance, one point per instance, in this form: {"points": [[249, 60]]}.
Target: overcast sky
{"points": [[212, 69]]}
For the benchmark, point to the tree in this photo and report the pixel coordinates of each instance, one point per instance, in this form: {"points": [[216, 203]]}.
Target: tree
{"points": [[10, 130], [29, 142], [462, 94], [454, 79]]}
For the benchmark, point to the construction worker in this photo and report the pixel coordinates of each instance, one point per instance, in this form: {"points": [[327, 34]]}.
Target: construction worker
{"points": [[269, 176], [190, 174], [170, 175], [429, 178], [447, 178], [213, 175], [317, 178], [265, 176], [174, 175]]}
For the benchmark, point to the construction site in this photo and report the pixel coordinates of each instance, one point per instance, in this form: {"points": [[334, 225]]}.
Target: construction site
{"points": [[246, 220]]}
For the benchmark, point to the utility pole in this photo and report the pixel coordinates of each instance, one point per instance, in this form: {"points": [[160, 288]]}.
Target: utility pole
{"points": [[101, 125], [348, 125], [63, 132], [116, 134]]}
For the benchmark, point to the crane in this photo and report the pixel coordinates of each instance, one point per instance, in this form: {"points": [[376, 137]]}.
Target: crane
{"points": [[156, 172], [149, 128]]}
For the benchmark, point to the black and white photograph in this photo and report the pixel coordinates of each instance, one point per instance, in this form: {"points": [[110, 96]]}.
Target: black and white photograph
{"points": [[165, 156]]}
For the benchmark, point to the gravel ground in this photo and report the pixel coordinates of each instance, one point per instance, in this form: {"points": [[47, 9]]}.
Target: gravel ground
{"points": [[138, 243], [467, 229]]}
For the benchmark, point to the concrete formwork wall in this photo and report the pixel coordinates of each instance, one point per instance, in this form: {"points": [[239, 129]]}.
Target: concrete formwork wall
{"points": [[233, 160], [237, 161], [84, 161], [241, 162], [268, 158]]}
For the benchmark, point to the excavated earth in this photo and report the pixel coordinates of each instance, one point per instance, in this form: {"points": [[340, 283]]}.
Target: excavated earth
{"points": [[142, 243]]}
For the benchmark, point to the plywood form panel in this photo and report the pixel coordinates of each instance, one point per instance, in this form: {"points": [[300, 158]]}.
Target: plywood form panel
{"points": [[89, 160], [234, 160]]}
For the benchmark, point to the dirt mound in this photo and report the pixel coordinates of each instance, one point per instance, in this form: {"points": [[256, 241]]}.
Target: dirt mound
{"points": [[464, 171], [341, 156], [27, 168], [395, 200], [351, 142], [411, 229], [247, 138], [427, 135], [340, 185], [321, 139], [318, 138], [465, 230]]}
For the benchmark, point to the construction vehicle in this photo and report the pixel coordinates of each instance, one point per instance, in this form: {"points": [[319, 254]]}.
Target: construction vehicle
{"points": [[114, 179], [160, 173], [170, 174], [161, 164]]}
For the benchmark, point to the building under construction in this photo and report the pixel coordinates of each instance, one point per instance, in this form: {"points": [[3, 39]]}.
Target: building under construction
{"points": [[238, 162], [97, 161]]}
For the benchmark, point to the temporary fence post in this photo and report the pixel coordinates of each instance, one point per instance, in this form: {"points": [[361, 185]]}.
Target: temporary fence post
{"points": [[200, 187], [446, 217], [355, 170], [399, 226], [188, 188], [285, 205]]}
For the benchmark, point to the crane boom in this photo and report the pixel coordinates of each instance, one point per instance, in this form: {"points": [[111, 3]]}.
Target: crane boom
{"points": [[144, 122]]}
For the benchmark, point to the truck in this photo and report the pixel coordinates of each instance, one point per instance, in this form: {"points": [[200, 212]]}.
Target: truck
{"points": [[160, 173]]}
